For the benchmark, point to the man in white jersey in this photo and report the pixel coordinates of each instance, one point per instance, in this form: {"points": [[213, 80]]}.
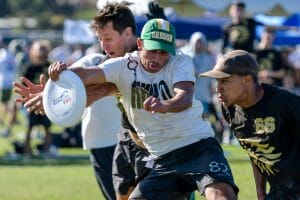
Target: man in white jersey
{"points": [[99, 132], [157, 89]]}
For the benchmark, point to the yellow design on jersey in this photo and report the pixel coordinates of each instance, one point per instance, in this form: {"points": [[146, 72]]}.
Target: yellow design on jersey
{"points": [[262, 155]]}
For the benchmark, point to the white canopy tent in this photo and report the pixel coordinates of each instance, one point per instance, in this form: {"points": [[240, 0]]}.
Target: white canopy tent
{"points": [[138, 8]]}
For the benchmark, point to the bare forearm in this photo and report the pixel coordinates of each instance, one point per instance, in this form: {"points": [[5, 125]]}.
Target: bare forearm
{"points": [[89, 76], [283, 28], [182, 100], [178, 103], [98, 91]]}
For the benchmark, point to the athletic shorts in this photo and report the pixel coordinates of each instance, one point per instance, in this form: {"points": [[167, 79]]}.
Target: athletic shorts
{"points": [[128, 163], [6, 95], [186, 169], [101, 159], [279, 193], [38, 120]]}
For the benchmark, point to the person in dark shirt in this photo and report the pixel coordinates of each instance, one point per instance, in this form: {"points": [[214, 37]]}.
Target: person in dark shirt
{"points": [[271, 67], [265, 119], [38, 64], [240, 33]]}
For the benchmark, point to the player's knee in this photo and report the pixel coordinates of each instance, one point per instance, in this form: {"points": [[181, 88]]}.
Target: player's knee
{"points": [[220, 191]]}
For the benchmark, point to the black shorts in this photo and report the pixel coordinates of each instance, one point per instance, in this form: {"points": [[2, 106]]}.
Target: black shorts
{"points": [[101, 159], [184, 170], [128, 163], [38, 120], [5, 95], [278, 193]]}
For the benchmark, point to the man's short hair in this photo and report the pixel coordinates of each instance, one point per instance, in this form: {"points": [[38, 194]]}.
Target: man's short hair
{"points": [[116, 12]]}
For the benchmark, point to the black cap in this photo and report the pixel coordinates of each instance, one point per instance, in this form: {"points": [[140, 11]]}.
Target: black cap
{"points": [[238, 62]]}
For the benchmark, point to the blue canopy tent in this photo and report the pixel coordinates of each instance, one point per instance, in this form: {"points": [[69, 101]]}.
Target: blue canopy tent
{"points": [[186, 26], [283, 37], [291, 37]]}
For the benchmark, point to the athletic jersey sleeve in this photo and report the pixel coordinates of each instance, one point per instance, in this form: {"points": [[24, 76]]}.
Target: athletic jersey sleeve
{"points": [[184, 69], [90, 60], [113, 68]]}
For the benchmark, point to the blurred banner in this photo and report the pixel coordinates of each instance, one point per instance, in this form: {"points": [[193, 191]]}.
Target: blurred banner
{"points": [[78, 32]]}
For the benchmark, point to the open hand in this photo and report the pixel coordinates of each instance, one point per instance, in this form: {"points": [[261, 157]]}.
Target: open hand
{"points": [[28, 88], [31, 95]]}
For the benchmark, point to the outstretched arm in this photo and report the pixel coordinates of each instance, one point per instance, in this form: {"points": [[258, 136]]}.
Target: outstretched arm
{"points": [[31, 95], [182, 100], [89, 76], [34, 103]]}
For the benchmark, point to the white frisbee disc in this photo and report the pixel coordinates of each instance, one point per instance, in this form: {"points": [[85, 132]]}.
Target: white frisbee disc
{"points": [[64, 100]]}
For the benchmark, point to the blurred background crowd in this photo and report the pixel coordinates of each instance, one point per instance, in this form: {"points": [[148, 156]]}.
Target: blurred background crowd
{"points": [[36, 33]]}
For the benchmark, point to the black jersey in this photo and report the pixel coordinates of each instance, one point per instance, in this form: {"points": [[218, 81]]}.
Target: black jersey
{"points": [[270, 133], [32, 71], [241, 35], [270, 59]]}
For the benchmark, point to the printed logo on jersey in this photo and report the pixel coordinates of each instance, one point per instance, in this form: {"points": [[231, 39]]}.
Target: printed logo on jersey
{"points": [[267, 62], [239, 118], [141, 91], [263, 155], [239, 34]]}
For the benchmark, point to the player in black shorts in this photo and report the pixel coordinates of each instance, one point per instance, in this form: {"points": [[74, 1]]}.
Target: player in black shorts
{"points": [[265, 119]]}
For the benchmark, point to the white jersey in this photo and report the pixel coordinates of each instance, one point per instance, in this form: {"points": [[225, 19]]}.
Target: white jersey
{"points": [[160, 132], [101, 121]]}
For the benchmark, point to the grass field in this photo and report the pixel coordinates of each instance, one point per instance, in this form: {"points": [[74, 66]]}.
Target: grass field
{"points": [[70, 176]]}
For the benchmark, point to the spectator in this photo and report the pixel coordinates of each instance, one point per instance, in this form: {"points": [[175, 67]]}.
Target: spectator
{"points": [[289, 83], [8, 72], [203, 61], [38, 64], [18, 47], [240, 33], [271, 67], [294, 59]]}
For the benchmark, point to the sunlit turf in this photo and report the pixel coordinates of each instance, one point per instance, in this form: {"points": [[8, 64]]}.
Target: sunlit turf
{"points": [[70, 175]]}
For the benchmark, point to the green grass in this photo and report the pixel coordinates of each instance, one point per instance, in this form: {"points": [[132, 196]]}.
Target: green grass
{"points": [[53, 182], [71, 176]]}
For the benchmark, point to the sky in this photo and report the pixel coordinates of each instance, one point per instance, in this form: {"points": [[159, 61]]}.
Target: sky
{"points": [[253, 6]]}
